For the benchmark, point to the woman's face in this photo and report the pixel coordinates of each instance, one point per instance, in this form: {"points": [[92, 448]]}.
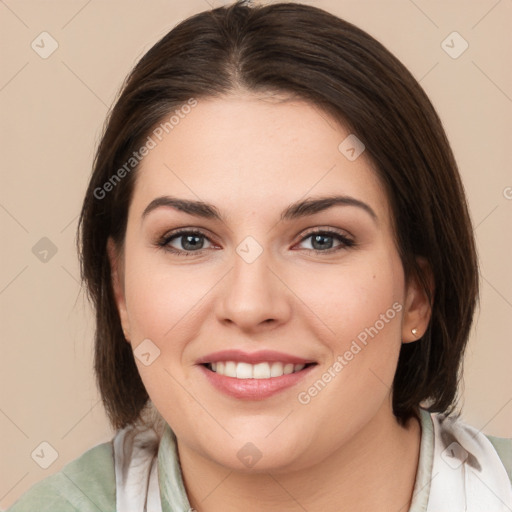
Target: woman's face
{"points": [[264, 285]]}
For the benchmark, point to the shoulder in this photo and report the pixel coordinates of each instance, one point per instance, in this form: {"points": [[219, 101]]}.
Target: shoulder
{"points": [[503, 447], [86, 484], [500, 446]]}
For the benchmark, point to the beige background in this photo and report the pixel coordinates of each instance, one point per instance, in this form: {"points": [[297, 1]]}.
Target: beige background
{"points": [[52, 115]]}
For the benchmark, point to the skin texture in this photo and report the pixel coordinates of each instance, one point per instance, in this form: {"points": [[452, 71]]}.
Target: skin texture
{"points": [[252, 156]]}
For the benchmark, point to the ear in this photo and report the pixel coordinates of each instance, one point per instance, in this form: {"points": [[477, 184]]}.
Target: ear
{"points": [[417, 308], [115, 257]]}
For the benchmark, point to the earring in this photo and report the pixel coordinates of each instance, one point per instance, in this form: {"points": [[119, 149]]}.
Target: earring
{"points": [[414, 331]]}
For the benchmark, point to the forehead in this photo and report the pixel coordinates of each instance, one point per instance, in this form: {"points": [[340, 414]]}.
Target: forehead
{"points": [[254, 151]]}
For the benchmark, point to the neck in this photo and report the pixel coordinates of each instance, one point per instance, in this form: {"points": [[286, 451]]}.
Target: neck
{"points": [[376, 470]]}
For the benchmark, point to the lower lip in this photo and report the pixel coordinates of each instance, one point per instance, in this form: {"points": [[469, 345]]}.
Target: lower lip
{"points": [[253, 389]]}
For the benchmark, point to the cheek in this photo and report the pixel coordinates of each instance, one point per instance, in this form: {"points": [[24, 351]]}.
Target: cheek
{"points": [[362, 309], [160, 298], [349, 300], [161, 303]]}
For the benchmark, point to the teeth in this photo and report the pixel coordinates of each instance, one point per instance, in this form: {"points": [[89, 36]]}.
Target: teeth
{"points": [[243, 371], [276, 370], [288, 368], [261, 371], [229, 369], [254, 371]]}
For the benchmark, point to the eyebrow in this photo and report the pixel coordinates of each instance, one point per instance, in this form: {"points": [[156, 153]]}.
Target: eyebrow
{"points": [[296, 210]]}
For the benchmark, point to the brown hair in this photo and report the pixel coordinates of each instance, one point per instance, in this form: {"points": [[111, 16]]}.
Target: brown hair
{"points": [[306, 52]]}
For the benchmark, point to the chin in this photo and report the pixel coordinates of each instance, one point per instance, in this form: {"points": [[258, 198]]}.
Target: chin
{"points": [[254, 453]]}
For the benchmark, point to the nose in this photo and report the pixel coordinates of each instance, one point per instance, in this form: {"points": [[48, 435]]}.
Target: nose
{"points": [[254, 296]]}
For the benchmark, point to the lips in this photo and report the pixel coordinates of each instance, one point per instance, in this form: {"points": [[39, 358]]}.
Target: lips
{"points": [[253, 376], [262, 356]]}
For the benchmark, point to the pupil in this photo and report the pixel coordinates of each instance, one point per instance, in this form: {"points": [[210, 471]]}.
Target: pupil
{"points": [[322, 240], [190, 243]]}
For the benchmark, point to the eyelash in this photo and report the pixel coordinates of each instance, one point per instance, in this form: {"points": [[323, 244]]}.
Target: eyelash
{"points": [[166, 239]]}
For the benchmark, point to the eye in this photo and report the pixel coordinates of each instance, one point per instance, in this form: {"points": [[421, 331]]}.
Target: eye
{"points": [[324, 241], [194, 242], [185, 242]]}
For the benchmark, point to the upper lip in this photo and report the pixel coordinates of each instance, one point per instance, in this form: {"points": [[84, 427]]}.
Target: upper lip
{"points": [[261, 356]]}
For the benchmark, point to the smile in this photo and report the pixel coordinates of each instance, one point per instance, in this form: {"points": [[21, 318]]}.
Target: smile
{"points": [[253, 376], [264, 370]]}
